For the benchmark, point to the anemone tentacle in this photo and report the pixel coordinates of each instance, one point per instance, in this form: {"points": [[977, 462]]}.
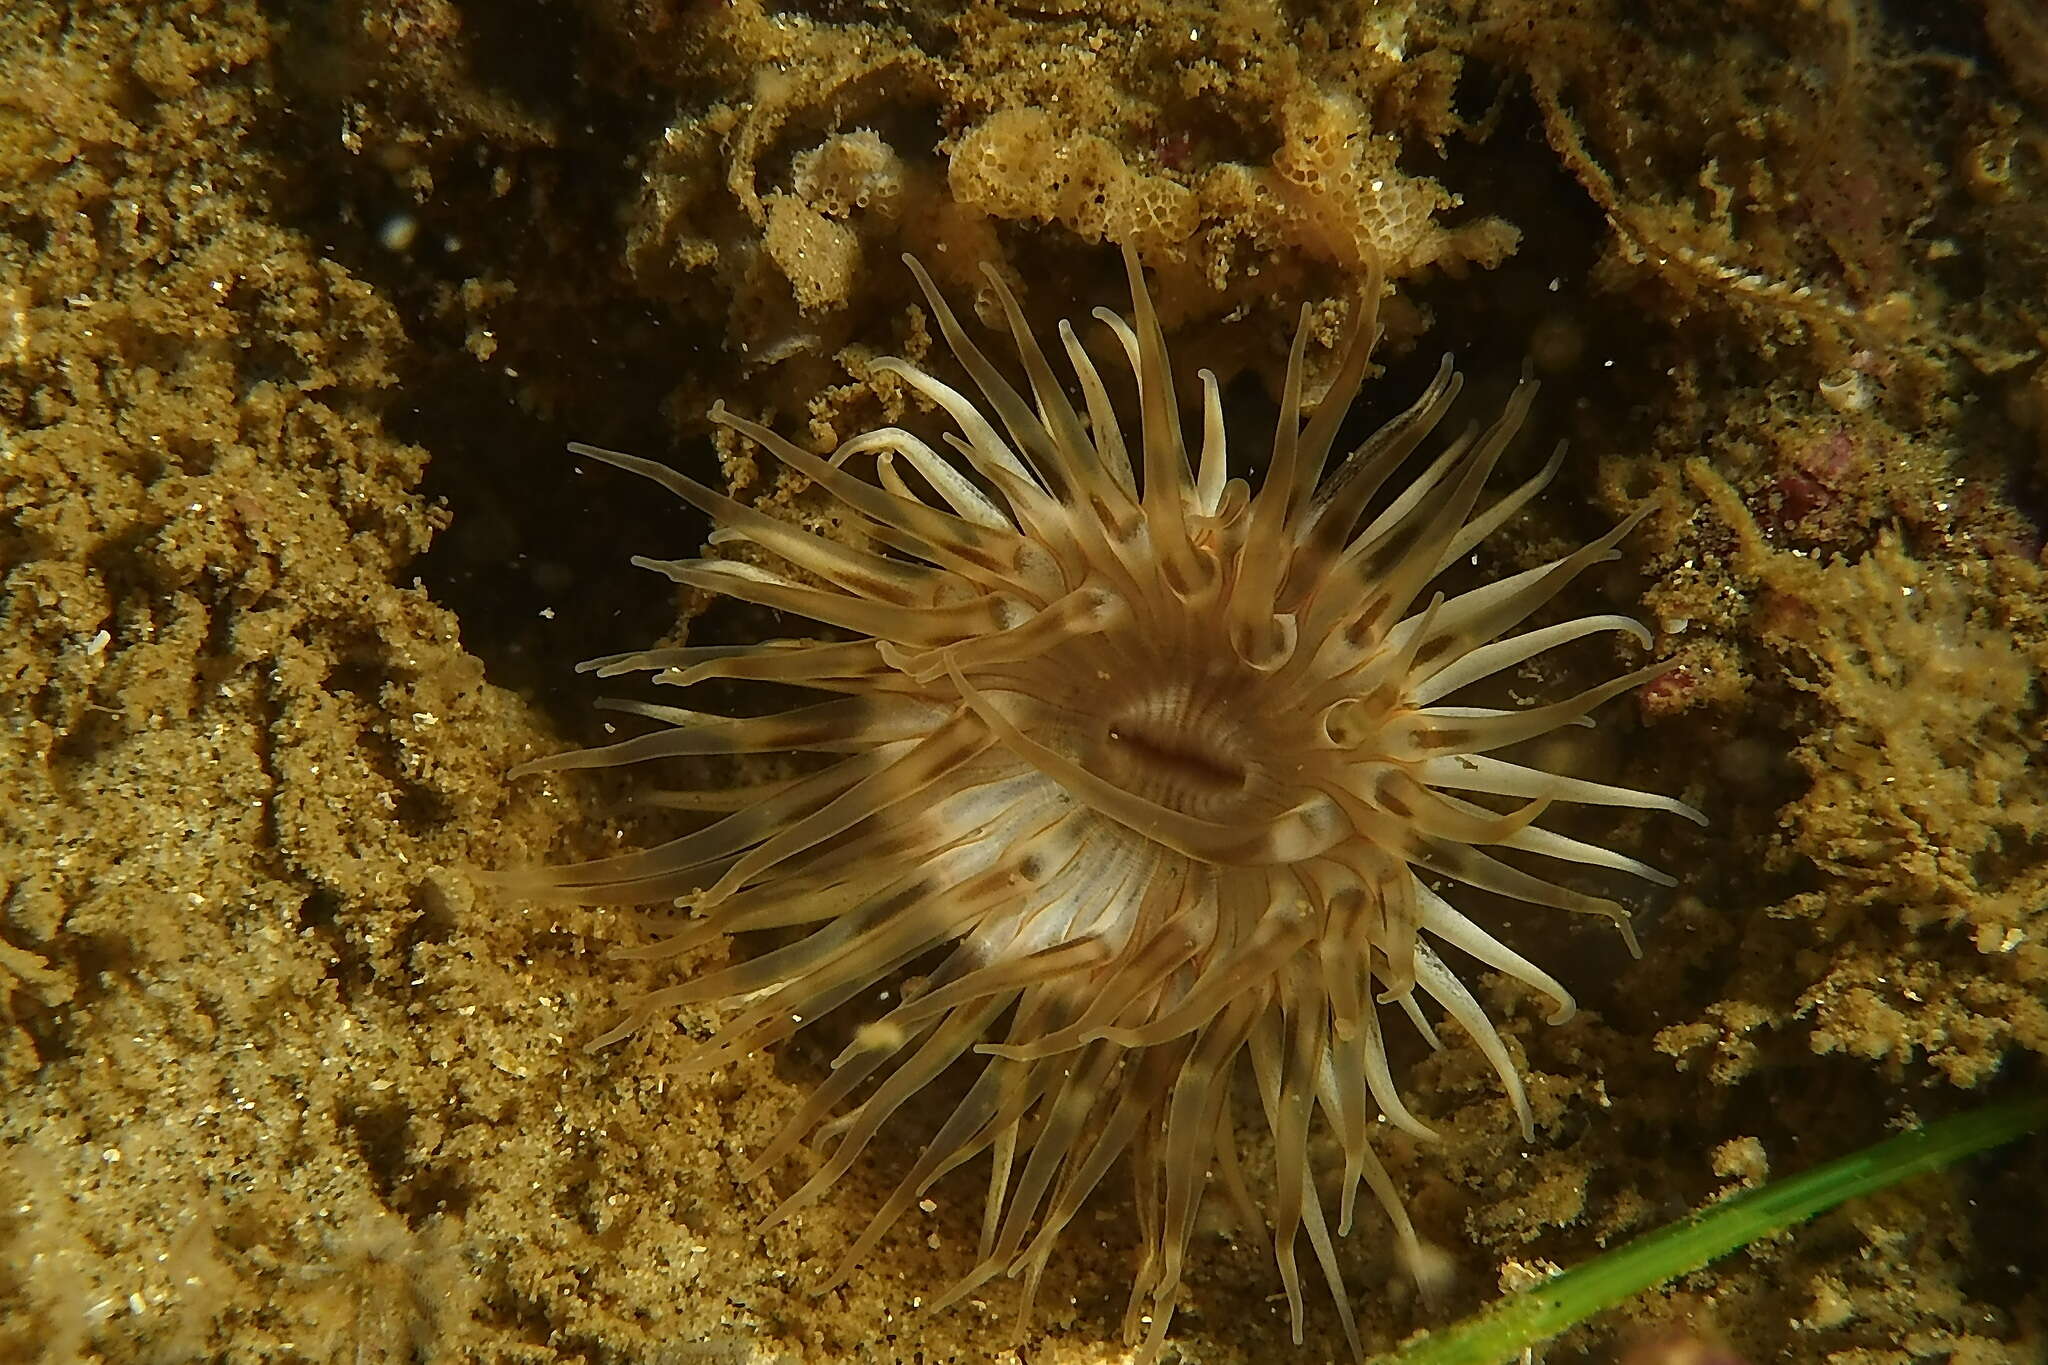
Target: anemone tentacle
{"points": [[1156, 766]]}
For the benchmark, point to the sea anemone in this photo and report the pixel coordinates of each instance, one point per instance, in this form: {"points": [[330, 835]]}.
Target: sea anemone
{"points": [[1143, 772]]}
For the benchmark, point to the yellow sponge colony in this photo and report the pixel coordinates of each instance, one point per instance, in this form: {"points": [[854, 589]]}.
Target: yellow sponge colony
{"points": [[1332, 191], [1017, 164]]}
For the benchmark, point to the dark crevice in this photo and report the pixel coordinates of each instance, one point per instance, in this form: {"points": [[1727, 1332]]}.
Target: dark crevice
{"points": [[534, 560]]}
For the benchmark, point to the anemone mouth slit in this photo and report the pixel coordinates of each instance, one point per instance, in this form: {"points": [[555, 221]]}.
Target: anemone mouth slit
{"points": [[1152, 777], [1177, 758]]}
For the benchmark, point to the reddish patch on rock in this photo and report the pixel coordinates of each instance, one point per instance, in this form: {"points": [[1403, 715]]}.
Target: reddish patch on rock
{"points": [[1175, 150], [1667, 695], [1829, 460], [1813, 484], [1798, 495]]}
